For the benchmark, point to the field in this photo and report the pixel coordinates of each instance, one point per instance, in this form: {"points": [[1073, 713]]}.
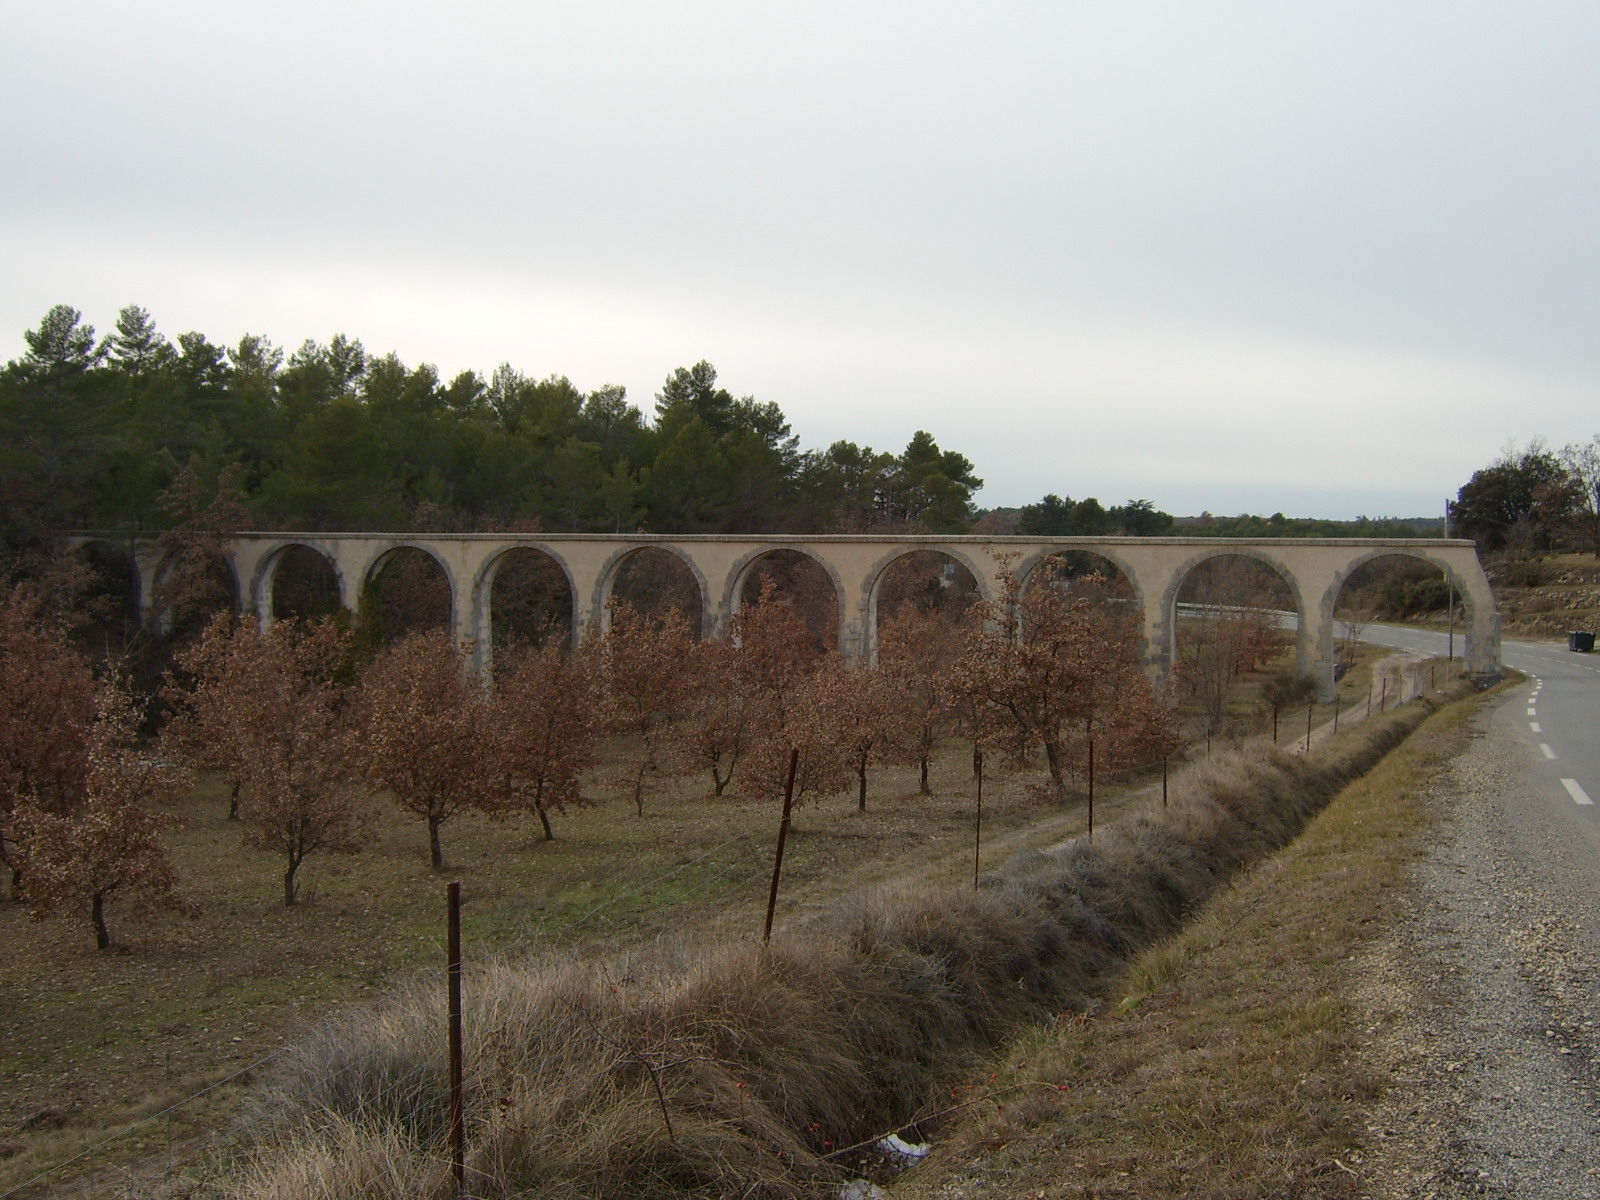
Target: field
{"points": [[96, 1041]]}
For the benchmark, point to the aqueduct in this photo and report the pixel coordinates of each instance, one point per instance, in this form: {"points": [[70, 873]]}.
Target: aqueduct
{"points": [[855, 565]]}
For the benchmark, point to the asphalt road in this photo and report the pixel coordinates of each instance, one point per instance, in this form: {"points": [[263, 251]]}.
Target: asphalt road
{"points": [[1560, 719]]}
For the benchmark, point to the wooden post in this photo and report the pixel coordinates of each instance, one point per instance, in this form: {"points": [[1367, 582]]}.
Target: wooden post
{"points": [[977, 828], [1091, 787], [783, 836], [458, 1123]]}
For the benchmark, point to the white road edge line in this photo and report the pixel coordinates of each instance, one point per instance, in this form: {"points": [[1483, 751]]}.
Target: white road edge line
{"points": [[1579, 796]]}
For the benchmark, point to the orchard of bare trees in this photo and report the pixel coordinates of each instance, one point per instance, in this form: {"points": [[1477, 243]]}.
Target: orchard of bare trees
{"points": [[311, 729]]}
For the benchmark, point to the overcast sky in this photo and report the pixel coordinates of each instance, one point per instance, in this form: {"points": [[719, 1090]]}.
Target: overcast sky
{"points": [[1325, 259]]}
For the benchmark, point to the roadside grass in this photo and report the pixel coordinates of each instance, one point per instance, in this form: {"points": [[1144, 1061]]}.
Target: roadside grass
{"points": [[1227, 1061]]}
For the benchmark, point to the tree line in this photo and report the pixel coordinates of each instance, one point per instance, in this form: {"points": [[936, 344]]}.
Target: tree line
{"points": [[1533, 500], [93, 432], [309, 738]]}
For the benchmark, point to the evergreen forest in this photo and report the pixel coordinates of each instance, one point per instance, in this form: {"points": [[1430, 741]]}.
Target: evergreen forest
{"points": [[329, 437]]}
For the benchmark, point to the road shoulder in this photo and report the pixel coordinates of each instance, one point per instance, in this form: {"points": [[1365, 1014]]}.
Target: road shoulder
{"points": [[1480, 995]]}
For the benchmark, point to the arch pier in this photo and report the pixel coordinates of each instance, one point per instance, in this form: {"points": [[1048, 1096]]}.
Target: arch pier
{"points": [[1314, 568]]}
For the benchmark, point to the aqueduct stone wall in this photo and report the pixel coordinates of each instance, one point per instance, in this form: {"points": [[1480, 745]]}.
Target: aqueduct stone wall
{"points": [[1315, 570]]}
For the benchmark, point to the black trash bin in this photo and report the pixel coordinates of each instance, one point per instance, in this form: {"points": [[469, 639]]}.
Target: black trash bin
{"points": [[1581, 641]]}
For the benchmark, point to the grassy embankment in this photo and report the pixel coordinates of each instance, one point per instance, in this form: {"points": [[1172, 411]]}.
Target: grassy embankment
{"points": [[743, 1070], [1233, 1059], [104, 1040]]}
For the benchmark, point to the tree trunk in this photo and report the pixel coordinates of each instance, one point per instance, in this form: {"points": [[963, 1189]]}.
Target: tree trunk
{"points": [[923, 786], [290, 887], [720, 781], [1052, 756], [861, 786], [97, 913], [435, 850], [233, 800], [544, 821]]}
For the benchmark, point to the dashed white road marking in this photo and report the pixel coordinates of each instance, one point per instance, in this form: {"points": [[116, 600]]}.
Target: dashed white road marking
{"points": [[1545, 747], [1579, 796], [1533, 712], [1535, 726]]}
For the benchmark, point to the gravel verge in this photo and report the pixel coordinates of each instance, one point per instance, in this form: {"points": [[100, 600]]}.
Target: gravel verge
{"points": [[1482, 998]]}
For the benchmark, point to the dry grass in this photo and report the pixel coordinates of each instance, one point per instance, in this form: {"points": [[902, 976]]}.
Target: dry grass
{"points": [[1227, 1061], [741, 1071]]}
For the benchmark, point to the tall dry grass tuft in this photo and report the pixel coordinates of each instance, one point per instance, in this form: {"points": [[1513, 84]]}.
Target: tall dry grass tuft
{"points": [[341, 1159], [736, 1070]]}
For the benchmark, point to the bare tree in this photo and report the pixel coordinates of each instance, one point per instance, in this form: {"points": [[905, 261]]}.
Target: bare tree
{"points": [[1352, 629], [48, 701], [643, 659], [1230, 628], [195, 579], [267, 709], [550, 709], [1582, 461], [1051, 661], [917, 651], [109, 844], [422, 729]]}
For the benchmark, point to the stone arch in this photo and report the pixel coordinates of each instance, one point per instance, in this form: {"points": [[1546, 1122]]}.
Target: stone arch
{"points": [[881, 578], [1217, 660], [1465, 592], [1030, 562], [605, 578], [264, 595], [1180, 575], [494, 627], [198, 597], [1125, 584], [748, 566], [687, 580], [421, 609]]}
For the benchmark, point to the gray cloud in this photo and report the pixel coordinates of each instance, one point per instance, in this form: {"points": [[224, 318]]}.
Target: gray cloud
{"points": [[1324, 259]]}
